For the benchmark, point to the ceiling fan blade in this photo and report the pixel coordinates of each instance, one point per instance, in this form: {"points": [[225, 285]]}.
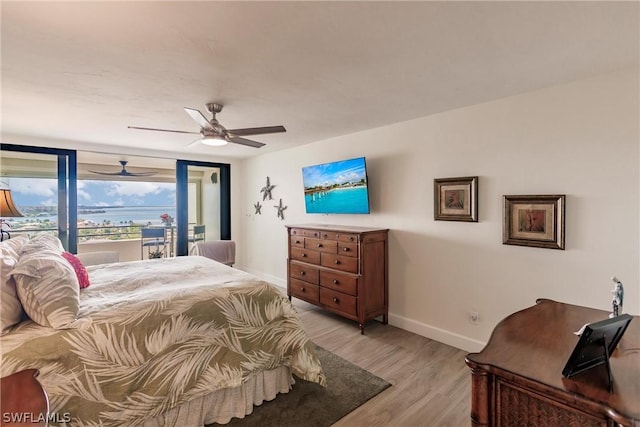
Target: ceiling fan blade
{"points": [[256, 131], [107, 173], [138, 173], [162, 130], [124, 171], [199, 118], [247, 142], [191, 144]]}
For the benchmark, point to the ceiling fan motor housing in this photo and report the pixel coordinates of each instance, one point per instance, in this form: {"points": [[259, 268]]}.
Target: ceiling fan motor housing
{"points": [[214, 108]]}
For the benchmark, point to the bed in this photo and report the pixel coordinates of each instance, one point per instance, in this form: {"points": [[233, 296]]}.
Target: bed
{"points": [[183, 341]]}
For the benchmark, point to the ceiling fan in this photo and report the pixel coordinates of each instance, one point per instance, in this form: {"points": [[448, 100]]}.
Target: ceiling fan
{"points": [[213, 133], [124, 171]]}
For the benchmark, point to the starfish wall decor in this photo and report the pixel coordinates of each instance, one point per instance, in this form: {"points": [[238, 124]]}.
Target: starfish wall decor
{"points": [[266, 190], [280, 210], [257, 207]]}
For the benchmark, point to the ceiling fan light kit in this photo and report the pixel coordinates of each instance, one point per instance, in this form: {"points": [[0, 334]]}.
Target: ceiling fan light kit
{"points": [[214, 140], [214, 134]]}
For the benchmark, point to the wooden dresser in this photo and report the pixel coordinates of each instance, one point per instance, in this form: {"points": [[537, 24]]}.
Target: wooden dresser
{"points": [[340, 268], [517, 378]]}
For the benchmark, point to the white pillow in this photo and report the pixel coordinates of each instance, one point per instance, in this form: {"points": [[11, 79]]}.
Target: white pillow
{"points": [[10, 308], [43, 241], [47, 286]]}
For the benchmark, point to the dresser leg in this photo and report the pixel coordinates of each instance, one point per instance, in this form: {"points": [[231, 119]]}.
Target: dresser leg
{"points": [[361, 328], [385, 319]]}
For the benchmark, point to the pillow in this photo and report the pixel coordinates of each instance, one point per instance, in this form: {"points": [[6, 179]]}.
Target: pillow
{"points": [[78, 267], [47, 287], [44, 241], [10, 308]]}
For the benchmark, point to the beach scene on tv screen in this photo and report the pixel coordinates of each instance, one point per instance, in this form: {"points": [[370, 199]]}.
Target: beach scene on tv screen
{"points": [[338, 187]]}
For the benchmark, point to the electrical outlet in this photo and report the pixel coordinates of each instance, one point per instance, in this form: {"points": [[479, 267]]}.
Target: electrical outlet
{"points": [[473, 317]]}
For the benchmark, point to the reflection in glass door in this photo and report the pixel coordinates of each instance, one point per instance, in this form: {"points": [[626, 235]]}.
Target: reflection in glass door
{"points": [[203, 199]]}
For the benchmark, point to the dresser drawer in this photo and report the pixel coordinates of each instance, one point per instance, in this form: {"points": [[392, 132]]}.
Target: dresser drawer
{"points": [[339, 301], [329, 246], [304, 290], [339, 282], [339, 262], [330, 235], [305, 255], [307, 273], [305, 233], [346, 237], [341, 237], [297, 241], [348, 249]]}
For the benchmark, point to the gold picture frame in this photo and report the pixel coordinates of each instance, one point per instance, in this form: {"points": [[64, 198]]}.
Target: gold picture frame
{"points": [[455, 199], [536, 221]]}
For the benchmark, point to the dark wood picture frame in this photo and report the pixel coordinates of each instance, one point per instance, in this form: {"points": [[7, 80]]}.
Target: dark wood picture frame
{"points": [[536, 221], [455, 199]]}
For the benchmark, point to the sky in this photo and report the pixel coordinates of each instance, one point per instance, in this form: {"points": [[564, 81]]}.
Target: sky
{"points": [[44, 192], [334, 173]]}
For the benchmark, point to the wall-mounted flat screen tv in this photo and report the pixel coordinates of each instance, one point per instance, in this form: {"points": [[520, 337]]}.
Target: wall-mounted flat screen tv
{"points": [[337, 187]]}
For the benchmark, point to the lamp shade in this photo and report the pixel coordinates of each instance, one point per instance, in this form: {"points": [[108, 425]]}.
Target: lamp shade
{"points": [[8, 209]]}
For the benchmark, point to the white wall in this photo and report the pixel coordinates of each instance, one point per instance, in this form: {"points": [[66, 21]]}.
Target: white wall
{"points": [[579, 139]]}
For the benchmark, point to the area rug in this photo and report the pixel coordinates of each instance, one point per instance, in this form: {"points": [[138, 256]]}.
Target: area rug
{"points": [[311, 405]]}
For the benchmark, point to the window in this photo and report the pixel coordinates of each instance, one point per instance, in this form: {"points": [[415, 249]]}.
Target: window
{"points": [[58, 194]]}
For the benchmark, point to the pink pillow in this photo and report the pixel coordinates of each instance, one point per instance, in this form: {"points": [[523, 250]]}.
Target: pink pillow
{"points": [[81, 272]]}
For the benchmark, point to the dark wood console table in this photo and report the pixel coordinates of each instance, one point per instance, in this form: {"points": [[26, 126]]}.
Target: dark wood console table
{"points": [[517, 378]]}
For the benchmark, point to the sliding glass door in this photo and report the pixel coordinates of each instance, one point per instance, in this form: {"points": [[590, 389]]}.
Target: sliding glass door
{"points": [[44, 188]]}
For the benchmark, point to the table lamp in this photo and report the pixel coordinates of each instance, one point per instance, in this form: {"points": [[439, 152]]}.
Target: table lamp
{"points": [[8, 209]]}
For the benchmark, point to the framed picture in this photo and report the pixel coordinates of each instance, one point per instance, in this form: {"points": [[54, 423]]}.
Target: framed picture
{"points": [[456, 199], [536, 221]]}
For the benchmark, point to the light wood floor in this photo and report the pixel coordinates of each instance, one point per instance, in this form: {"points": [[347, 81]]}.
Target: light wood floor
{"points": [[430, 383]]}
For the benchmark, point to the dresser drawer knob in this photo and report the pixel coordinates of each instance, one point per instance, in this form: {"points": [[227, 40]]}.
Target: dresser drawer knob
{"points": [[303, 290], [346, 249], [297, 242], [302, 273], [337, 261], [304, 255], [351, 238], [336, 300], [319, 245], [335, 281]]}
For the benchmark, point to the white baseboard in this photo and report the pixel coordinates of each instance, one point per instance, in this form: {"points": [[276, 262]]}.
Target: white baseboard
{"points": [[422, 329], [436, 334]]}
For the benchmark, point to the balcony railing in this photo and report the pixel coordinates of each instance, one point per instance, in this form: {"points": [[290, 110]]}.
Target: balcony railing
{"points": [[124, 239], [108, 232]]}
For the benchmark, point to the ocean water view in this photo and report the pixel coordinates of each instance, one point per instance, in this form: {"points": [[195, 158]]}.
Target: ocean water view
{"points": [[114, 215], [338, 200]]}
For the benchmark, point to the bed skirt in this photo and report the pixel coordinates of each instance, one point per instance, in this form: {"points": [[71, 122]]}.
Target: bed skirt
{"points": [[223, 405]]}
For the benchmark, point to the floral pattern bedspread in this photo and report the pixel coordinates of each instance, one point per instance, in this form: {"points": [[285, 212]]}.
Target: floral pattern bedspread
{"points": [[161, 332]]}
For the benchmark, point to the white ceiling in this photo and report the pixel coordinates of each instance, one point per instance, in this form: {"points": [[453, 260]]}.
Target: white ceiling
{"points": [[80, 72]]}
